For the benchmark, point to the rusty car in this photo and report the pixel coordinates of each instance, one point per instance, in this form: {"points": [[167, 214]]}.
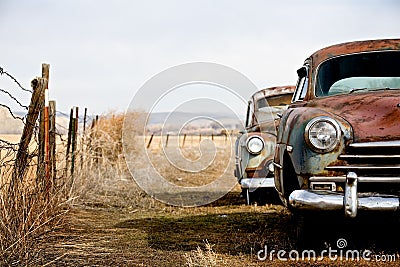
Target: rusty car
{"points": [[338, 143], [254, 147]]}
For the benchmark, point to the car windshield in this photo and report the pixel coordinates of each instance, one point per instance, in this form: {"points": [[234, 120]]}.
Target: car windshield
{"points": [[268, 108], [358, 73], [277, 100]]}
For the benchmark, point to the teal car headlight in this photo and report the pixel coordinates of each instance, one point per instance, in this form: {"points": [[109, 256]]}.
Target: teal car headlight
{"points": [[255, 144], [322, 134]]}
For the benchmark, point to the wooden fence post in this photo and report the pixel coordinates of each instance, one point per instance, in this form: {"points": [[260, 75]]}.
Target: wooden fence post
{"points": [[73, 140], [69, 140], [46, 143], [52, 116], [151, 139], [41, 168], [83, 136], [166, 142], [97, 150], [184, 139], [84, 122], [35, 106]]}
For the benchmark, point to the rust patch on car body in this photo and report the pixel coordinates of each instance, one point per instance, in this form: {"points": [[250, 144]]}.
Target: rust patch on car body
{"points": [[374, 117], [353, 47]]}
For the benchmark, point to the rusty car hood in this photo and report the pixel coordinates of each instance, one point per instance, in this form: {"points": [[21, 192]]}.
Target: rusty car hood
{"points": [[374, 116]]}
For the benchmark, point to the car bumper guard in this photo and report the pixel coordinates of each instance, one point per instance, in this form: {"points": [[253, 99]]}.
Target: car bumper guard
{"points": [[350, 201]]}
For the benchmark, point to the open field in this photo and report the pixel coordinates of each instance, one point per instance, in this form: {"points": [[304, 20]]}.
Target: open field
{"points": [[112, 222], [117, 224], [188, 141], [12, 138]]}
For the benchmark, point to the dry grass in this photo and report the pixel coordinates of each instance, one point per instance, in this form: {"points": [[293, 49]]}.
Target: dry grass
{"points": [[198, 163], [203, 257], [102, 177], [28, 212]]}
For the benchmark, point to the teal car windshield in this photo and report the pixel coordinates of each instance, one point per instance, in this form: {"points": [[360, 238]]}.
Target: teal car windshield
{"points": [[359, 73]]}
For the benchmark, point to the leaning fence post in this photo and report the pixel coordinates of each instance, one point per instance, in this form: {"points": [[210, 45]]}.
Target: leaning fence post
{"points": [[151, 139], [35, 106], [166, 142]]}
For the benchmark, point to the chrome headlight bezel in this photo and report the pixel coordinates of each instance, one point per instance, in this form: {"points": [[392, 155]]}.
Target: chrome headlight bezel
{"points": [[311, 134], [251, 140]]}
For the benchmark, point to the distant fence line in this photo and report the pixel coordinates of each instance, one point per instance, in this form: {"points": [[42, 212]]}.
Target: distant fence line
{"points": [[183, 139]]}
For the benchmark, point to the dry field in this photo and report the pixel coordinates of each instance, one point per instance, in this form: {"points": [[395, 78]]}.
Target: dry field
{"points": [[13, 138], [112, 222]]}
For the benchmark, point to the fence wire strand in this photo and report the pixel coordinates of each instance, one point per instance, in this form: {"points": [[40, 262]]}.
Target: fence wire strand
{"points": [[3, 72]]}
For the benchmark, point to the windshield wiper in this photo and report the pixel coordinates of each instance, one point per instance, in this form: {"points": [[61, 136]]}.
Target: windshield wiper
{"points": [[357, 89], [384, 88], [371, 89]]}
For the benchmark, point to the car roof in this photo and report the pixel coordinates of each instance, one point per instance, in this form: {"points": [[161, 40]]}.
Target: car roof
{"points": [[273, 91], [351, 48]]}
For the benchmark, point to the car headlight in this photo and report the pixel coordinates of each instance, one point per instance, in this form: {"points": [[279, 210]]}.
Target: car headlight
{"points": [[255, 144], [322, 134]]}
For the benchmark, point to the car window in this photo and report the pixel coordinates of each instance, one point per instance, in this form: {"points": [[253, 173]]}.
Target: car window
{"points": [[301, 89], [359, 84], [382, 67], [250, 114], [267, 114], [262, 102], [302, 84], [269, 107]]}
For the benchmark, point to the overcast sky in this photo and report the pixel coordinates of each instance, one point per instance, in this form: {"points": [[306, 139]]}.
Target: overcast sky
{"points": [[101, 52]]}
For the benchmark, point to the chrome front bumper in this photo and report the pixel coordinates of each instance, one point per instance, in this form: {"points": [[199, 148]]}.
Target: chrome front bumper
{"points": [[254, 183], [350, 201]]}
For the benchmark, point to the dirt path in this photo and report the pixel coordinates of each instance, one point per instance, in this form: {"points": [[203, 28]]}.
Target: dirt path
{"points": [[94, 238], [109, 236]]}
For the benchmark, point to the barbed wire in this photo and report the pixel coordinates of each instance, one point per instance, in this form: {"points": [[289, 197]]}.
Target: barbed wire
{"points": [[13, 98], [11, 113], [10, 149], [3, 72]]}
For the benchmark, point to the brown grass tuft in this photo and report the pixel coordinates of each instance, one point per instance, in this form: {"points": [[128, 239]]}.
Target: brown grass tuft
{"points": [[206, 257], [102, 178], [27, 214]]}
